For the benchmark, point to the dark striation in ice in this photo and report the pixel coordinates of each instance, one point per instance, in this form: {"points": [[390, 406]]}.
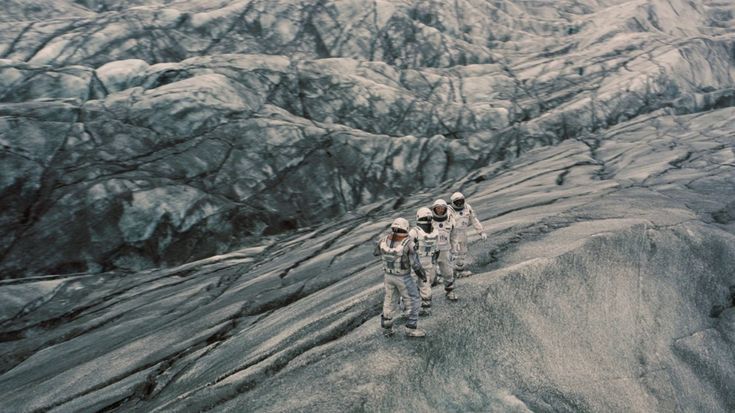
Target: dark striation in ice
{"points": [[142, 135], [190, 191]]}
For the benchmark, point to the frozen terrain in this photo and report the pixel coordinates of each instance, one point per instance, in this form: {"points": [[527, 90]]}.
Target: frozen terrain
{"points": [[190, 191], [150, 135], [594, 292]]}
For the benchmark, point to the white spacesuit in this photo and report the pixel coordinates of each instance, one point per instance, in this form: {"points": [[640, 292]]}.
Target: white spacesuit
{"points": [[464, 216], [443, 225], [398, 254], [425, 237]]}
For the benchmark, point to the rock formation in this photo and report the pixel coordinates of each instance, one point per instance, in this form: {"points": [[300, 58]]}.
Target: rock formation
{"points": [[190, 191], [151, 135]]}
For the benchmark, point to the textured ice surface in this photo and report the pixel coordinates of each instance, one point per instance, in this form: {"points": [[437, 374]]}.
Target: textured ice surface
{"points": [[281, 116], [145, 142], [591, 286]]}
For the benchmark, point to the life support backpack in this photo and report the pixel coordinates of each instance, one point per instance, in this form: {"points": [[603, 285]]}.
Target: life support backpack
{"points": [[394, 255]]}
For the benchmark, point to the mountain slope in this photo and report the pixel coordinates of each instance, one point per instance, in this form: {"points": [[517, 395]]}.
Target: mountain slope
{"points": [[593, 293], [190, 192], [145, 134]]}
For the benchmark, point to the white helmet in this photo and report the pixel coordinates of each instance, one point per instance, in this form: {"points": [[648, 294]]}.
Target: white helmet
{"points": [[423, 214], [457, 200], [399, 225], [439, 203]]}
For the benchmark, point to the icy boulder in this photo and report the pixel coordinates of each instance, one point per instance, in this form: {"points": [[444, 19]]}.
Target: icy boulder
{"points": [[120, 75]]}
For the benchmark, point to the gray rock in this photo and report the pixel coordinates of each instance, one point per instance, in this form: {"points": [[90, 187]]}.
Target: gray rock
{"points": [[244, 144], [585, 291], [156, 133], [190, 191]]}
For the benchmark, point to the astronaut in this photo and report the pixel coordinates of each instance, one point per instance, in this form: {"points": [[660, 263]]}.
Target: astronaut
{"points": [[443, 225], [464, 216], [398, 254], [424, 238]]}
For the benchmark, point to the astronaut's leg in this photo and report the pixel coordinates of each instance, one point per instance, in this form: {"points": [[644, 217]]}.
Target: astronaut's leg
{"points": [[446, 268], [410, 293], [425, 287], [389, 305], [460, 254], [464, 252], [438, 279]]}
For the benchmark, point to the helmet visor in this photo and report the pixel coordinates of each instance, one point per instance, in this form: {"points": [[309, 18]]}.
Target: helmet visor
{"points": [[399, 230], [459, 203], [425, 226], [440, 209]]}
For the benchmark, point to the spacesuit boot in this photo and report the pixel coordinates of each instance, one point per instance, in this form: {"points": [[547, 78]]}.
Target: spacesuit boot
{"points": [[449, 289], [449, 282], [387, 325], [415, 332], [405, 310], [461, 271], [425, 308], [438, 279]]}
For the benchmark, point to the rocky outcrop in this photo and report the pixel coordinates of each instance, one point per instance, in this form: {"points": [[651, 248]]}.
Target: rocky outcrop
{"points": [[190, 191], [153, 133], [593, 292]]}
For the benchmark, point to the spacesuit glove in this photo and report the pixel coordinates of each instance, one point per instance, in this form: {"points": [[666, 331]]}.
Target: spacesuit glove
{"points": [[483, 236], [421, 274]]}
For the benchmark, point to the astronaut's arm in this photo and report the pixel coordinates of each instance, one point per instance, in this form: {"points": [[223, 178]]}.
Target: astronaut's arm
{"points": [[453, 238], [413, 234], [413, 258], [376, 250], [478, 226], [476, 223]]}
